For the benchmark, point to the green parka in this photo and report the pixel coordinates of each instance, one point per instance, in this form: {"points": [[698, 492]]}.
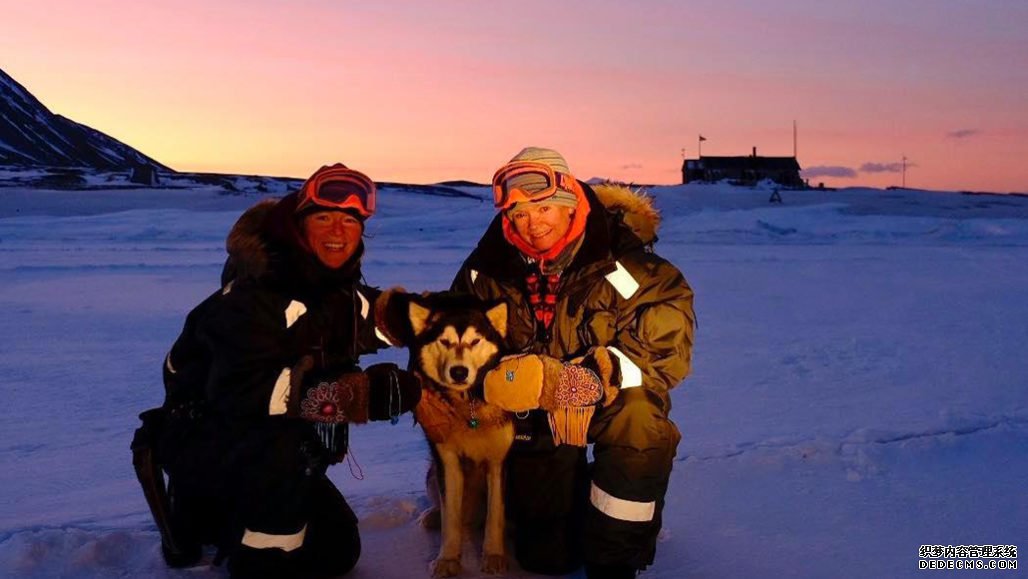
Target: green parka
{"points": [[616, 292]]}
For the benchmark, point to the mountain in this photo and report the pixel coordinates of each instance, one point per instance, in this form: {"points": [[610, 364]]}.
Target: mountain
{"points": [[31, 135]]}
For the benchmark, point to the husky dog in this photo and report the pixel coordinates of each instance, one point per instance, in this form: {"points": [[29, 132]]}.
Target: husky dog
{"points": [[454, 340]]}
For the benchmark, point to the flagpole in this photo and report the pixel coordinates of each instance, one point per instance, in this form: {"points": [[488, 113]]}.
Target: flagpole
{"points": [[699, 146], [794, 139]]}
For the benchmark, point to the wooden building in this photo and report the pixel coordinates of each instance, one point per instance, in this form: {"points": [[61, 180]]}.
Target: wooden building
{"points": [[743, 170]]}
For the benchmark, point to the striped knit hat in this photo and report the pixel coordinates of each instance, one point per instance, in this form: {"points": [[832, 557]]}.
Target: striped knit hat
{"points": [[533, 183]]}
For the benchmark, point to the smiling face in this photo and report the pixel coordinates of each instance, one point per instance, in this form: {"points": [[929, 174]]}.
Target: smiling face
{"points": [[542, 225], [333, 236]]}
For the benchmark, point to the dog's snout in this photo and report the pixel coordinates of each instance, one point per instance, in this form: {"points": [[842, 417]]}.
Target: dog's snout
{"points": [[459, 373]]}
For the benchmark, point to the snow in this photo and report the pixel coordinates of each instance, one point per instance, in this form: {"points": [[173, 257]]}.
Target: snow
{"points": [[859, 383], [94, 185]]}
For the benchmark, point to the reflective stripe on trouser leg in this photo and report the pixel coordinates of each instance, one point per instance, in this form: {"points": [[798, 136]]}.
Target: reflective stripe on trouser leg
{"points": [[634, 450], [271, 485], [621, 509], [287, 543]]}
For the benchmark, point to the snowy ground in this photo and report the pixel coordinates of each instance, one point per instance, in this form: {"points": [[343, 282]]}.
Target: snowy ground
{"points": [[859, 388]]}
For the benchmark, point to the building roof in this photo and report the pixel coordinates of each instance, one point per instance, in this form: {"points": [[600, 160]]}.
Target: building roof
{"points": [[746, 162]]}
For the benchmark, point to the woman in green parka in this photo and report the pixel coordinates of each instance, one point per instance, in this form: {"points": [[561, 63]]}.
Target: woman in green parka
{"points": [[576, 266]]}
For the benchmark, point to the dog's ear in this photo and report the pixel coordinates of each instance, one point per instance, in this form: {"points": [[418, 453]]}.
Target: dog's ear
{"points": [[418, 315], [391, 316], [497, 316]]}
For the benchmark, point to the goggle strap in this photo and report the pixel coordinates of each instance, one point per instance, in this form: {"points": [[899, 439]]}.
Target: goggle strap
{"points": [[563, 181]]}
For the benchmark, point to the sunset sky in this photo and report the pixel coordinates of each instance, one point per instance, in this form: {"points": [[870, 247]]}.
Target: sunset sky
{"points": [[427, 91]]}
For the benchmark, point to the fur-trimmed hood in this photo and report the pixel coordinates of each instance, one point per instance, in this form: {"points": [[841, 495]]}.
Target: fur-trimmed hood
{"points": [[267, 240], [635, 206], [247, 247]]}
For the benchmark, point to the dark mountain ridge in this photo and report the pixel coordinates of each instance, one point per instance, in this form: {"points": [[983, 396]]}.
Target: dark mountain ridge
{"points": [[33, 136]]}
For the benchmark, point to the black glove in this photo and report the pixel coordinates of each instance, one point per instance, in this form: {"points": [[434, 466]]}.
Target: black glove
{"points": [[392, 391]]}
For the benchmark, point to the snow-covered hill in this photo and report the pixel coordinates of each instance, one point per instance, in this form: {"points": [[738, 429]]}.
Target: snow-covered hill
{"points": [[859, 385], [31, 135]]}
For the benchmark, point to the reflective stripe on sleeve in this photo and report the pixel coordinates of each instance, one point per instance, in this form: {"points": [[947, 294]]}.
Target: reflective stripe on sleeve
{"points": [[621, 509], [294, 310], [631, 375], [258, 540], [622, 281], [280, 395], [365, 305]]}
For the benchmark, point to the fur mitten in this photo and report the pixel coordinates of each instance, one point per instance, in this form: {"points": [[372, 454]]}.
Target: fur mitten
{"points": [[516, 383]]}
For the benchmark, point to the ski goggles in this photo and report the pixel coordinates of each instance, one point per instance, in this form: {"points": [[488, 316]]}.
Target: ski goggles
{"points": [[337, 187], [527, 181]]}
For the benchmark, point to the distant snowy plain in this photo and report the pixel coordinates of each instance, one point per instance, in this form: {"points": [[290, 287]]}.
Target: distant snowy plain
{"points": [[859, 385]]}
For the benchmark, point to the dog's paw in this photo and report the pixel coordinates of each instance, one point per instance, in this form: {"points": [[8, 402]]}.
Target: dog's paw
{"points": [[445, 567], [431, 518], [494, 564]]}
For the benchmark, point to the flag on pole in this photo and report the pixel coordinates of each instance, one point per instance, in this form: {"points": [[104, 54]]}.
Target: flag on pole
{"points": [[702, 138]]}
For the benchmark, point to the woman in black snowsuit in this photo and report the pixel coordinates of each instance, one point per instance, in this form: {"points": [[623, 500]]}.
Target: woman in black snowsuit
{"points": [[263, 383]]}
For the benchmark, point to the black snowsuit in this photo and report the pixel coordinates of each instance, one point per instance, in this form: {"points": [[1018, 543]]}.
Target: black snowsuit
{"points": [[245, 473], [615, 293]]}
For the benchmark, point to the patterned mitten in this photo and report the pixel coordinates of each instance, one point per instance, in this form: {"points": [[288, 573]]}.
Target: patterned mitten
{"points": [[607, 369], [570, 394], [344, 400]]}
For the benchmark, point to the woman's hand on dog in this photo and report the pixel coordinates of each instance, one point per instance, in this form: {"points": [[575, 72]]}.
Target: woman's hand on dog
{"points": [[393, 391]]}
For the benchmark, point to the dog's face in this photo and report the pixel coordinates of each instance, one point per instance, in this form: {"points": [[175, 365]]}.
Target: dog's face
{"points": [[456, 343]]}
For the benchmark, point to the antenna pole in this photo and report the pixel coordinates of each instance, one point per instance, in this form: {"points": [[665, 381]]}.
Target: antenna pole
{"points": [[794, 139]]}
